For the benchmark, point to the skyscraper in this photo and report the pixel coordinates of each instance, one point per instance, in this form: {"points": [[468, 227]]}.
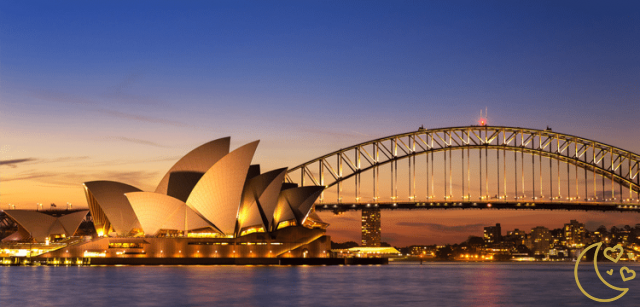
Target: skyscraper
{"points": [[371, 227]]}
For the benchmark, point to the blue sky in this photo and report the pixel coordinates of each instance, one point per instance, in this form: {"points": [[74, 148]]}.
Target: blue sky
{"points": [[86, 83]]}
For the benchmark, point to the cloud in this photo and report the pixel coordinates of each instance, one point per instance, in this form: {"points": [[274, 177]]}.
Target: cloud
{"points": [[72, 99], [12, 163], [28, 176], [140, 179], [343, 218], [63, 159], [142, 118], [32, 161], [344, 235], [121, 90], [131, 177], [138, 141], [124, 85], [469, 228], [134, 161], [336, 134], [398, 239], [60, 97], [58, 186]]}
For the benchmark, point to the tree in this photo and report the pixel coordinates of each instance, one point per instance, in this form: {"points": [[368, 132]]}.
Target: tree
{"points": [[474, 240], [445, 253], [602, 229], [523, 249]]}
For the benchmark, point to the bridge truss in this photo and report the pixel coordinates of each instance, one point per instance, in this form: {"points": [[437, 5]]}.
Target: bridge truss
{"points": [[495, 167]]}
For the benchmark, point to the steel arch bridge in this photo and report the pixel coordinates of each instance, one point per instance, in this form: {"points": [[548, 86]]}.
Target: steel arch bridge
{"points": [[519, 180]]}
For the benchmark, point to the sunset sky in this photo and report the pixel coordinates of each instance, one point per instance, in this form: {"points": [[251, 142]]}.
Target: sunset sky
{"points": [[119, 90]]}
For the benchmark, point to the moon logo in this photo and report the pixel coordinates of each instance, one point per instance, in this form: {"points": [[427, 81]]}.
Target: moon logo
{"points": [[595, 266]]}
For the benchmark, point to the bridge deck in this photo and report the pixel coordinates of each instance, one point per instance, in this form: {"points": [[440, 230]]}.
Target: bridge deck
{"points": [[586, 206]]}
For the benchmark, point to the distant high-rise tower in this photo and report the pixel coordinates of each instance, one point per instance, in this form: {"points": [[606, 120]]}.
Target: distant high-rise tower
{"points": [[574, 234], [492, 234], [540, 240], [371, 227]]}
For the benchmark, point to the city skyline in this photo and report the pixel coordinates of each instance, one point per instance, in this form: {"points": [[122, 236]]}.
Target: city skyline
{"points": [[93, 90]]}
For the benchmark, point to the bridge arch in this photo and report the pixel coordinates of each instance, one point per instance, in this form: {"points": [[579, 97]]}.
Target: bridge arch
{"points": [[620, 166]]}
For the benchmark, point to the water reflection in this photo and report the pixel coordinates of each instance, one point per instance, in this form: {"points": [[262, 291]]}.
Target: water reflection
{"points": [[500, 284]]}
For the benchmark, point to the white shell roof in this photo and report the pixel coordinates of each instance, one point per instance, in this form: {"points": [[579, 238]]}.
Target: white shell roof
{"points": [[198, 160], [40, 225], [314, 216], [72, 221], [158, 211], [299, 201], [282, 212], [35, 223], [261, 191], [218, 194], [111, 199]]}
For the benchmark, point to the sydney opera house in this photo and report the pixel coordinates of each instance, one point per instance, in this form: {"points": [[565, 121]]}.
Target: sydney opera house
{"points": [[212, 203]]}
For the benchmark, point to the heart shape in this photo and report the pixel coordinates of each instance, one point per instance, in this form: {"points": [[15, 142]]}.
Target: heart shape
{"points": [[610, 272], [622, 271], [611, 249]]}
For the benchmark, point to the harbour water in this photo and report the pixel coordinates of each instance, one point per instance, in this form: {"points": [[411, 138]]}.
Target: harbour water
{"points": [[401, 284]]}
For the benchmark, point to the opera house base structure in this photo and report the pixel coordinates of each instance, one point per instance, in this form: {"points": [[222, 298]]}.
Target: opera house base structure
{"points": [[212, 207], [291, 243]]}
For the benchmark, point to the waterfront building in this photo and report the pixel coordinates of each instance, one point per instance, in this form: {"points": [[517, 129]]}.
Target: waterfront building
{"points": [[211, 203], [371, 227], [367, 252], [423, 250]]}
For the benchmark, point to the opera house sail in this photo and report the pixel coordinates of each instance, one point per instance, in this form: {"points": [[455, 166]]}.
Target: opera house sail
{"points": [[212, 203]]}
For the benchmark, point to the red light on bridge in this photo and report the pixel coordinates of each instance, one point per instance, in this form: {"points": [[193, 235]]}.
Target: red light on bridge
{"points": [[482, 122]]}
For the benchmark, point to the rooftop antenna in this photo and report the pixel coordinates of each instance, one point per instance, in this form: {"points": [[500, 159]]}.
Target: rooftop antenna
{"points": [[483, 119]]}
